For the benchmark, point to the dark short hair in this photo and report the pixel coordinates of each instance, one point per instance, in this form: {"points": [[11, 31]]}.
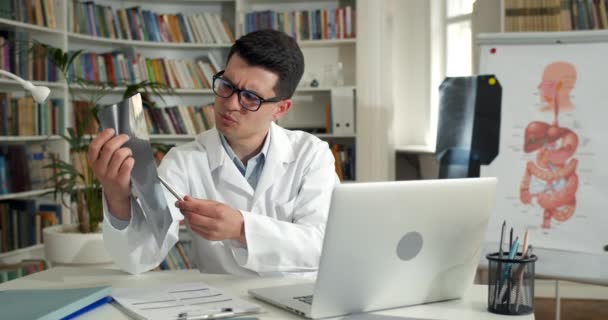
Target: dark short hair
{"points": [[276, 52]]}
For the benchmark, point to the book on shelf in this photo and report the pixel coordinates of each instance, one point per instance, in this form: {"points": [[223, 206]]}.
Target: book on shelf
{"points": [[179, 119], [315, 24], [11, 271], [137, 23], [18, 55], [24, 168], [22, 116], [22, 222], [38, 160], [344, 155], [3, 175], [36, 12], [556, 15], [177, 258], [118, 68], [83, 117]]}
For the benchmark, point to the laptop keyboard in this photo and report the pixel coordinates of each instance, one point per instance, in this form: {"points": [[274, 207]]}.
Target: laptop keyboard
{"points": [[305, 299]]}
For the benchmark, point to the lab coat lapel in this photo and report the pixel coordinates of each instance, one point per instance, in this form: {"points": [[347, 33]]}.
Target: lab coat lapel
{"points": [[280, 153], [218, 160]]}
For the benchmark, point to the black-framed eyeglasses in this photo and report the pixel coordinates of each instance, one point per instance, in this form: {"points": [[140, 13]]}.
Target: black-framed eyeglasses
{"points": [[247, 99]]}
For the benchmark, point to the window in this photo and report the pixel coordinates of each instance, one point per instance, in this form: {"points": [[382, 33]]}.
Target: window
{"points": [[458, 46], [451, 54]]}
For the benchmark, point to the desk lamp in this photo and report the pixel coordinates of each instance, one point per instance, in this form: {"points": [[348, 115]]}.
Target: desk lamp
{"points": [[39, 93]]}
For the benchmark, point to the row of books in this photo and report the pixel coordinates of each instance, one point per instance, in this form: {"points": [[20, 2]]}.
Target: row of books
{"points": [[180, 119], [335, 23], [137, 24], [22, 116], [22, 221], [25, 168], [586, 15], [118, 68], [345, 161], [167, 120], [26, 267], [19, 56], [38, 12], [177, 258], [555, 15]]}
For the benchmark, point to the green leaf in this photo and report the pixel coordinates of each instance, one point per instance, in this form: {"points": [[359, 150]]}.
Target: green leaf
{"points": [[73, 56]]}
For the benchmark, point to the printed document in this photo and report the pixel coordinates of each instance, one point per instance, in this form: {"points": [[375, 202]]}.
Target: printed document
{"points": [[168, 302]]}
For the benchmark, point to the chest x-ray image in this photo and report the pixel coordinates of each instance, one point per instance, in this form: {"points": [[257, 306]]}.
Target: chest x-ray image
{"points": [[148, 199]]}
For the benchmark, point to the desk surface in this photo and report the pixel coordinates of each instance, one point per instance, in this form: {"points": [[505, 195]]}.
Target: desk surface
{"points": [[472, 306]]}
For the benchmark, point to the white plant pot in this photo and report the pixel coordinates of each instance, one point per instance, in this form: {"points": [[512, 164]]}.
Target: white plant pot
{"points": [[64, 245]]}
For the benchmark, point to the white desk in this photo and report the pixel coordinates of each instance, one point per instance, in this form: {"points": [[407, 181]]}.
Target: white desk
{"points": [[472, 307]]}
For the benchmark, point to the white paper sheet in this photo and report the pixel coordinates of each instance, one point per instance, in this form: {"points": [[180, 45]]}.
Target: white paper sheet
{"points": [[167, 302]]}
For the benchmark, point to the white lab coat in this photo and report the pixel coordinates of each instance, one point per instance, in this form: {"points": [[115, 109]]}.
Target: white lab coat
{"points": [[285, 216]]}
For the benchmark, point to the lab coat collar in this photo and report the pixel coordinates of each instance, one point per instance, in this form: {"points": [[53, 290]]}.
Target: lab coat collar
{"points": [[280, 152], [210, 140]]}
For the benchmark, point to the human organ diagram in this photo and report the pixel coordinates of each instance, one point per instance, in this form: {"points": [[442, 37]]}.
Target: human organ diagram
{"points": [[551, 178]]}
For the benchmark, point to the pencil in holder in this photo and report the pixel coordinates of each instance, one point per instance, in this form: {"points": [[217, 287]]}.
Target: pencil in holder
{"points": [[511, 284]]}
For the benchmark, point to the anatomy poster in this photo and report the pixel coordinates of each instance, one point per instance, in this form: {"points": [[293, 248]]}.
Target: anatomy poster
{"points": [[552, 167]]}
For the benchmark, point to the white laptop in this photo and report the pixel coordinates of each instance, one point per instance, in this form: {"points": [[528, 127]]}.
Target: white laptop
{"points": [[393, 244]]}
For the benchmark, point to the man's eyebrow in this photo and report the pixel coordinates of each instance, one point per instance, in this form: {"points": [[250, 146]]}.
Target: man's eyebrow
{"points": [[234, 85]]}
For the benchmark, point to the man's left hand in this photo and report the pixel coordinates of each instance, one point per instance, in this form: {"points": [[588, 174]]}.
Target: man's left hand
{"points": [[213, 220]]}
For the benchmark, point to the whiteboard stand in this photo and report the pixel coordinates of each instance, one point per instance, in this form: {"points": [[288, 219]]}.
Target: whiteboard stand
{"points": [[518, 59], [557, 301]]}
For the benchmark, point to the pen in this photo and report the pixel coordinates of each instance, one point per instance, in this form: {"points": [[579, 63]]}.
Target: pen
{"points": [[505, 275], [525, 247], [502, 237], [224, 313], [520, 272], [513, 249], [511, 239], [173, 192]]}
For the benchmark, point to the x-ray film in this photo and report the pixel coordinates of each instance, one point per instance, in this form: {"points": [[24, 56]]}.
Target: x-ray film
{"points": [[127, 117]]}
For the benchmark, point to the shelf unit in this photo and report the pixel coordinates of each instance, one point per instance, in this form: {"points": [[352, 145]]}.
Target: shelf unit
{"points": [[145, 44], [25, 139], [309, 102], [25, 194]]}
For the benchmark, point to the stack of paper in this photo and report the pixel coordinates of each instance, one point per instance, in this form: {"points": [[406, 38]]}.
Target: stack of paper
{"points": [[168, 302]]}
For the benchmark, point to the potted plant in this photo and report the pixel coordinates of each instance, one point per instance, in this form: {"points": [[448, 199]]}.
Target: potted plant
{"points": [[73, 181]]}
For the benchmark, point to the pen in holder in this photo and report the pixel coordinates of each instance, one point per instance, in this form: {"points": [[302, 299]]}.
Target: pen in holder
{"points": [[511, 284]]}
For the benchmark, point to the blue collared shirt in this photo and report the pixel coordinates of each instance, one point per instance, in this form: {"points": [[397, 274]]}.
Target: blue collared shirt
{"points": [[253, 170]]}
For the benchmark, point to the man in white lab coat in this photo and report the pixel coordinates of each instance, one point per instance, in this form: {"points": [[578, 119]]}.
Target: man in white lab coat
{"points": [[256, 195]]}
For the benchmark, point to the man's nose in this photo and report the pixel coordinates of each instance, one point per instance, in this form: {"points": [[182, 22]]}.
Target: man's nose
{"points": [[232, 103]]}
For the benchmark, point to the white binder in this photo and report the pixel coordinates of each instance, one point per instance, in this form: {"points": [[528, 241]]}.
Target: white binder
{"points": [[343, 111]]}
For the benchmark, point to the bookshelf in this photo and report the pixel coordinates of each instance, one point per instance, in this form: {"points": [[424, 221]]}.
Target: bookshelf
{"points": [[547, 16], [554, 15], [490, 16], [310, 102]]}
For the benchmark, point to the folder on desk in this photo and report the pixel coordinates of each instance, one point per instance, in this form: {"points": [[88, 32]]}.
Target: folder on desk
{"points": [[47, 304]]}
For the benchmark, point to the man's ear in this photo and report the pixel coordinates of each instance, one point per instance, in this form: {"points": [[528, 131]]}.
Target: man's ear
{"points": [[281, 110]]}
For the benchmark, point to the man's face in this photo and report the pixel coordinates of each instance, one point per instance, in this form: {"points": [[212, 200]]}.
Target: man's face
{"points": [[237, 123]]}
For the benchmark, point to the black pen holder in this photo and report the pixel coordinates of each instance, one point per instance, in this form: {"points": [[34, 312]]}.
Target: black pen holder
{"points": [[510, 284]]}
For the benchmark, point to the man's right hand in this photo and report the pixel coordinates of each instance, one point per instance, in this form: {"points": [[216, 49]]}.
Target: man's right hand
{"points": [[112, 164]]}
